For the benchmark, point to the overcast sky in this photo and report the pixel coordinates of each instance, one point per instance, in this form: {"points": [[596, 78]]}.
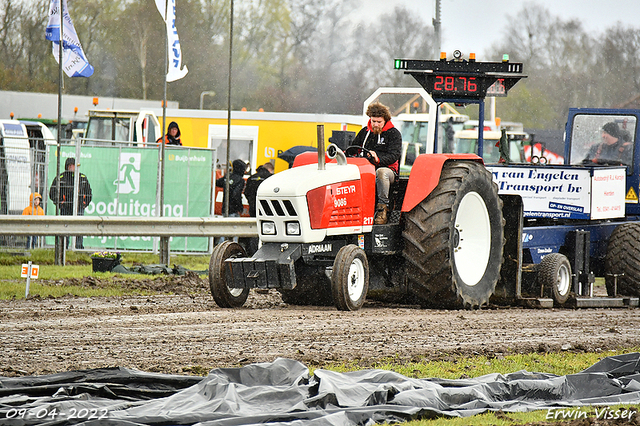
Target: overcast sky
{"points": [[474, 25]]}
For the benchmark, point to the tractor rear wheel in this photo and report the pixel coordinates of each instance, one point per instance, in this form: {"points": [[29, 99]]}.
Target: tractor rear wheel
{"points": [[554, 276], [224, 296], [453, 240], [623, 259]]}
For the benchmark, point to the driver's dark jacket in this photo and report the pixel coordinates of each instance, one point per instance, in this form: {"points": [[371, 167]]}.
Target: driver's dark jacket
{"points": [[617, 153], [387, 145]]}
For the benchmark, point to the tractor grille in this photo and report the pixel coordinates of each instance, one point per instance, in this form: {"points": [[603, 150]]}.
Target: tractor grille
{"points": [[346, 216], [280, 208]]}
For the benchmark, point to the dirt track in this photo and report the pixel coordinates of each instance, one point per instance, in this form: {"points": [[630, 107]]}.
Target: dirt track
{"points": [[189, 334]]}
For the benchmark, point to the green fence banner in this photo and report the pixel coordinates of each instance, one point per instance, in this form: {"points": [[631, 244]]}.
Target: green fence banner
{"points": [[123, 183]]}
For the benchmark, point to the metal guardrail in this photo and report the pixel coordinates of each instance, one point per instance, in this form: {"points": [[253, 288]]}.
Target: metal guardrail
{"points": [[111, 226]]}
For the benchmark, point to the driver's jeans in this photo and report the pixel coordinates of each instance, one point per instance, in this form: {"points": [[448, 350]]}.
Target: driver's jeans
{"points": [[384, 178]]}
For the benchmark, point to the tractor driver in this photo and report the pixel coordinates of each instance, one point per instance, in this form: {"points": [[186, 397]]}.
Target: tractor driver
{"points": [[613, 149], [384, 143]]}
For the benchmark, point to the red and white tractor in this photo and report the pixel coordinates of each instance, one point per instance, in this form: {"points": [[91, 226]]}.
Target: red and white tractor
{"points": [[443, 245]]}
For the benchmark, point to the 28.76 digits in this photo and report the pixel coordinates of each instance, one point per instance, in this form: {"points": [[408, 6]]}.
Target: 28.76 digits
{"points": [[455, 84]]}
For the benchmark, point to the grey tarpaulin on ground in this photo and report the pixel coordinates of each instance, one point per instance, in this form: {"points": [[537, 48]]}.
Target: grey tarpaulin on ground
{"points": [[283, 392]]}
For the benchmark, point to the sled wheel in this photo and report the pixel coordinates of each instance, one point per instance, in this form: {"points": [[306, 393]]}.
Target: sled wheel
{"points": [[224, 296], [453, 240], [554, 276], [623, 259], [350, 278]]}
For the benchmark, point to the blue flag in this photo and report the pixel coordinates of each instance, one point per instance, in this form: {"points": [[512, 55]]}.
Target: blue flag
{"points": [[74, 63]]}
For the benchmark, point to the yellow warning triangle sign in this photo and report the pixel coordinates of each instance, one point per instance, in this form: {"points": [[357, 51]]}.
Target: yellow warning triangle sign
{"points": [[631, 196]]}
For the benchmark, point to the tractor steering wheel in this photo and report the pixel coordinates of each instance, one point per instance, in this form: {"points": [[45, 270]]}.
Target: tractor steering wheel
{"points": [[359, 151]]}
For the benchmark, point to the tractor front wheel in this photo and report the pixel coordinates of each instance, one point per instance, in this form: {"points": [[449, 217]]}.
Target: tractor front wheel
{"points": [[350, 278], [225, 296]]}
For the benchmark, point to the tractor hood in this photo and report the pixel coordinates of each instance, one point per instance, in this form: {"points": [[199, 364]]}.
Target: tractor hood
{"points": [[335, 201], [300, 180]]}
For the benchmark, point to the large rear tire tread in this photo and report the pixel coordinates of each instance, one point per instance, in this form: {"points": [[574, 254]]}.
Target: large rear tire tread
{"points": [[224, 296], [623, 257], [429, 239]]}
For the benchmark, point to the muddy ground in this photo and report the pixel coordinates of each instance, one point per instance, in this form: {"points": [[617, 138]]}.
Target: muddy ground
{"points": [[183, 331], [187, 333]]}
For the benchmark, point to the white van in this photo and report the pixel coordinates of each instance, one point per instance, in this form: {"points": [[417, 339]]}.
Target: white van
{"points": [[136, 127], [40, 137], [15, 167]]}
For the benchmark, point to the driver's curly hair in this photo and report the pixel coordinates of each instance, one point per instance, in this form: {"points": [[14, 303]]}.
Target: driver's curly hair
{"points": [[376, 109]]}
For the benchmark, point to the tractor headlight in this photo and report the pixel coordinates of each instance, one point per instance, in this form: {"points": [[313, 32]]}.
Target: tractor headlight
{"points": [[293, 228], [268, 228]]}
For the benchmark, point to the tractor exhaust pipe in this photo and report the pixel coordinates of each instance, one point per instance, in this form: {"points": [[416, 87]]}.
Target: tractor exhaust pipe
{"points": [[334, 152], [321, 165]]}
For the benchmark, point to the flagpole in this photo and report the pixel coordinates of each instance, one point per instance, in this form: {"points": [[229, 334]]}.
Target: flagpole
{"points": [[226, 181], [59, 254], [164, 241]]}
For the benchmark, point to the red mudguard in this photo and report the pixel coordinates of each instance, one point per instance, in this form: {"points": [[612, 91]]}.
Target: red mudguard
{"points": [[425, 176], [309, 157]]}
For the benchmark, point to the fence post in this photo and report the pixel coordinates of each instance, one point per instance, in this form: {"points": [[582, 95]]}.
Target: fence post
{"points": [[165, 255], [60, 255]]}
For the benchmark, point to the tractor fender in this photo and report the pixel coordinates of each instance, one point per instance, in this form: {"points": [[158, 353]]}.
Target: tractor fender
{"points": [[425, 176], [309, 157]]}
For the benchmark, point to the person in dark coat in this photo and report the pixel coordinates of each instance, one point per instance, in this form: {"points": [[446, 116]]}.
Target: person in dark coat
{"points": [[65, 201], [384, 142], [173, 135], [236, 186], [250, 192], [613, 149], [253, 182]]}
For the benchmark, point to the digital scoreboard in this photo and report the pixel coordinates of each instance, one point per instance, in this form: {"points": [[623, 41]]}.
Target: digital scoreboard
{"points": [[462, 79]]}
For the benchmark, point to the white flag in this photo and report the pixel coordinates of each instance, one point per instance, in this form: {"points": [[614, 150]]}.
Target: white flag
{"points": [[167, 9], [74, 63]]}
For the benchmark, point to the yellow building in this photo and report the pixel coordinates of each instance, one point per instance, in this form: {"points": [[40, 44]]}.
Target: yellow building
{"points": [[256, 137]]}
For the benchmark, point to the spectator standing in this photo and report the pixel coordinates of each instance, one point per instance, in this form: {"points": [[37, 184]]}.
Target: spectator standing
{"points": [[65, 200], [33, 209], [236, 186], [253, 182], [173, 135], [250, 192]]}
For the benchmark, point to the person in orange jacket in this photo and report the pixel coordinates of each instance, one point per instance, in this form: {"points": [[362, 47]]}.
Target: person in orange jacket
{"points": [[33, 209], [173, 135]]}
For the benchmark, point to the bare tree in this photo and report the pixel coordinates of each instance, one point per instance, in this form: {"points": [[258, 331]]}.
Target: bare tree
{"points": [[619, 63], [10, 36], [35, 50], [559, 58], [405, 36], [26, 55]]}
